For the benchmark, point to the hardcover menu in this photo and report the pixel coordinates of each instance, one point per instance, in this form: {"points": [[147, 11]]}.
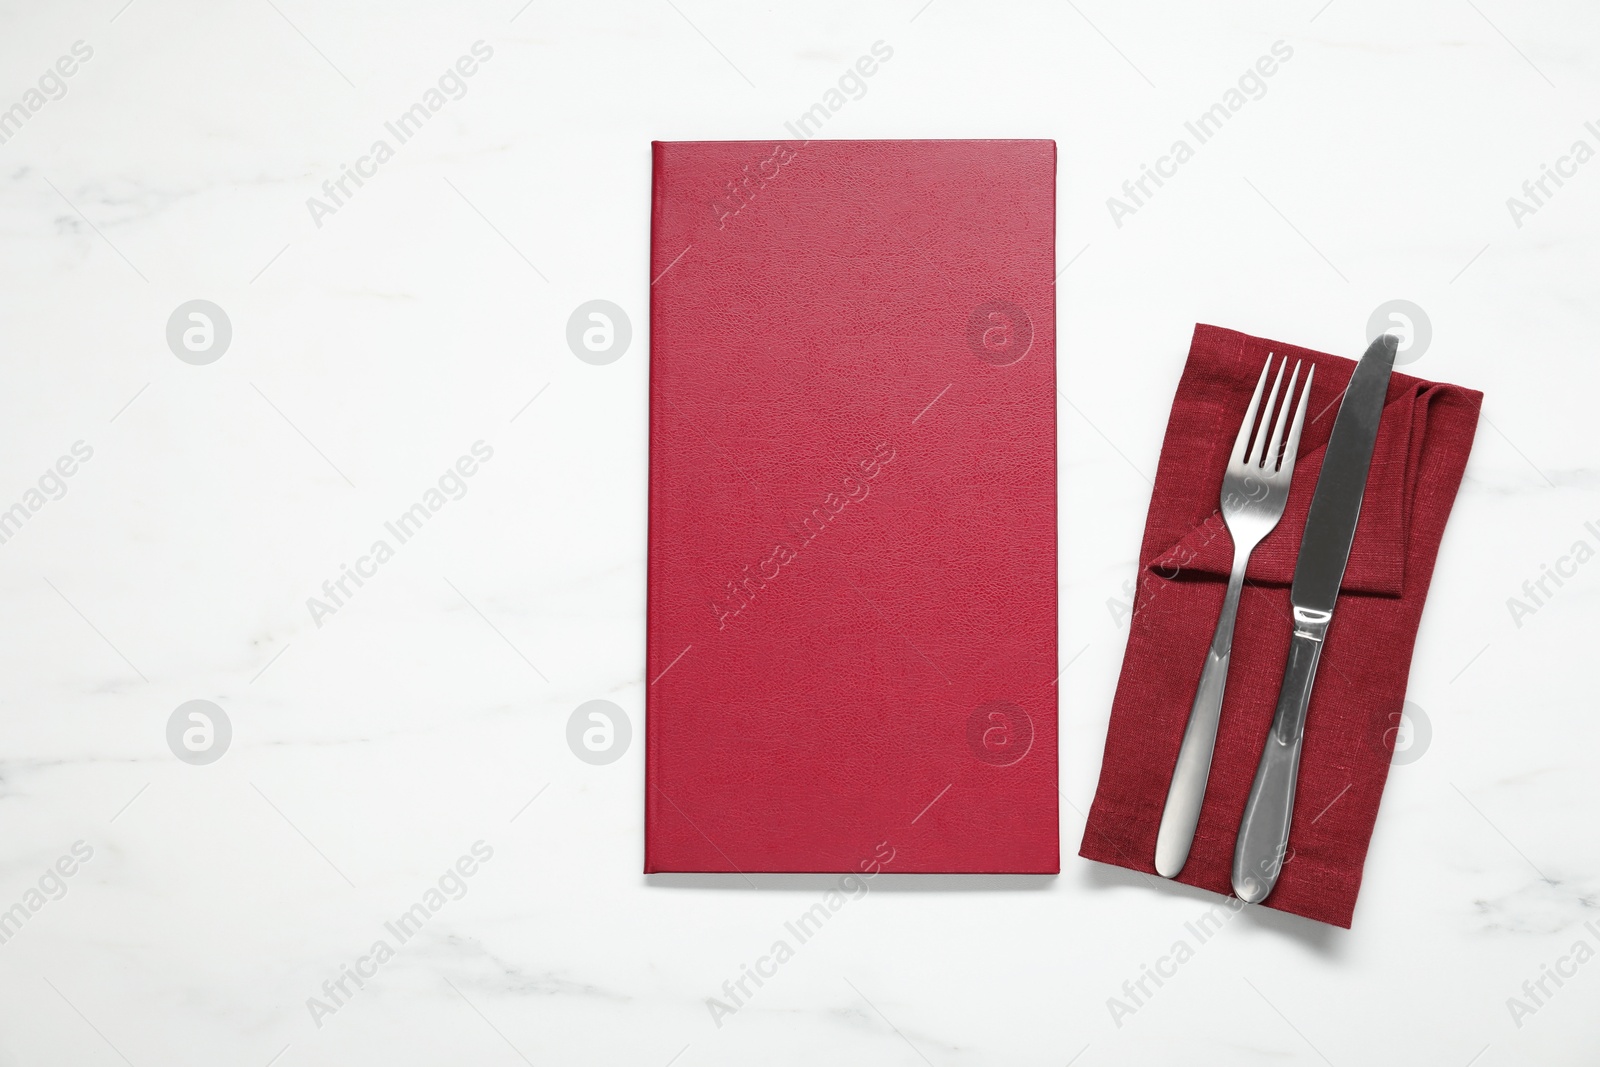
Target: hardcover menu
{"points": [[851, 650]]}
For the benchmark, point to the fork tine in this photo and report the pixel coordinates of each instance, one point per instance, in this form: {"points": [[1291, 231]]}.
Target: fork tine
{"points": [[1260, 438], [1243, 440], [1293, 446], [1280, 422]]}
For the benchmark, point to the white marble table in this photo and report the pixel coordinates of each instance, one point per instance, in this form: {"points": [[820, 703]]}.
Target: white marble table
{"points": [[381, 333]]}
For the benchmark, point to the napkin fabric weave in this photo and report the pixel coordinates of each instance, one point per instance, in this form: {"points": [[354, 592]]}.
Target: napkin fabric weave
{"points": [[1423, 442]]}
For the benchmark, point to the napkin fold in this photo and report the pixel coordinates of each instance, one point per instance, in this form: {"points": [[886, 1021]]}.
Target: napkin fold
{"points": [[1423, 442]]}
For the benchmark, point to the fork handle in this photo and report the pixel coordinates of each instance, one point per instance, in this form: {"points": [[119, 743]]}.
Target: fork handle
{"points": [[1188, 789]]}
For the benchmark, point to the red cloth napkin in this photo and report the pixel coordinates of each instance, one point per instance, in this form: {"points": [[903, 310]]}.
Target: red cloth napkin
{"points": [[1423, 442]]}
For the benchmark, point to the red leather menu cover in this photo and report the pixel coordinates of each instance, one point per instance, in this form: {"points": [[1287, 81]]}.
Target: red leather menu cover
{"points": [[851, 652]]}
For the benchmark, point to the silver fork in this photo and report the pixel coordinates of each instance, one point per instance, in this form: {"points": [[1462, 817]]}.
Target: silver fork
{"points": [[1254, 490]]}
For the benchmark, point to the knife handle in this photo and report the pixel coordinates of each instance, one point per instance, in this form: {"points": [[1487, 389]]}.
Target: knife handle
{"points": [[1263, 840]]}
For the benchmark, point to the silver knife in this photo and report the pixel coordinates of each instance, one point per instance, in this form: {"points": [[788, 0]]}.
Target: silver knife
{"points": [[1324, 549]]}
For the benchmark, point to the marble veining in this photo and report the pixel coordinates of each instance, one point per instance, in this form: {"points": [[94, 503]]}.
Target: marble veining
{"points": [[370, 749]]}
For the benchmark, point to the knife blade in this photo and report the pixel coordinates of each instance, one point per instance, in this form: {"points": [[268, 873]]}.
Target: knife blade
{"points": [[1324, 550]]}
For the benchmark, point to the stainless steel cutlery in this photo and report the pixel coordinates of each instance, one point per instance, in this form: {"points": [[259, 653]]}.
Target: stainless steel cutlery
{"points": [[1254, 489], [1324, 550]]}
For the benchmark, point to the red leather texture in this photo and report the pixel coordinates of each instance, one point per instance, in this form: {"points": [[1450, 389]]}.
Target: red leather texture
{"points": [[1424, 439], [852, 575]]}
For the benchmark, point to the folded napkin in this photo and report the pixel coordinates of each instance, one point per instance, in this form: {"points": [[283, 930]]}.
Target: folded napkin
{"points": [[1423, 442]]}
